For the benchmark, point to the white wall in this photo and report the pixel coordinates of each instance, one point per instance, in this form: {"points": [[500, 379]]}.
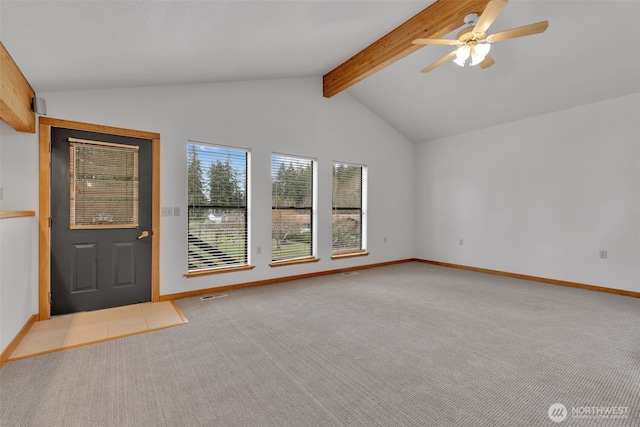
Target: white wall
{"points": [[18, 236], [539, 196], [18, 275], [18, 169], [287, 116]]}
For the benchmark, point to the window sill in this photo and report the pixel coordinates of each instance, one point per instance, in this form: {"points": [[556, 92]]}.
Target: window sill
{"points": [[294, 261], [352, 254], [219, 270]]}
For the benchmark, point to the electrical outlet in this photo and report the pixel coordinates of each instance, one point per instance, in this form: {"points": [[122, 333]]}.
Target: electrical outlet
{"points": [[385, 240], [603, 254], [461, 242], [166, 211], [258, 250], [176, 211]]}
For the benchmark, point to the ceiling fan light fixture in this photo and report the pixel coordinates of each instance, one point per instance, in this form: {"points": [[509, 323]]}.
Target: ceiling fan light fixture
{"points": [[473, 40], [459, 61], [479, 52], [462, 54]]}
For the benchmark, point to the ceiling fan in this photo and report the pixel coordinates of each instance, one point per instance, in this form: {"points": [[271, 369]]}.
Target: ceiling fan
{"points": [[474, 43]]}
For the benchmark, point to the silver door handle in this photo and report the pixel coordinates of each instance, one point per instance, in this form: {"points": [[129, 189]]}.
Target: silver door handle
{"points": [[143, 235]]}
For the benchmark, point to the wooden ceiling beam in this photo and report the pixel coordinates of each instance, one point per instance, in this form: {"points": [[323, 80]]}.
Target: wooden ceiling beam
{"points": [[437, 20], [15, 95]]}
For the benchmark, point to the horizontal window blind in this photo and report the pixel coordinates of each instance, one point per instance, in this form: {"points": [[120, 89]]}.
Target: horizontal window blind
{"points": [[348, 207], [218, 196], [103, 185], [293, 196]]}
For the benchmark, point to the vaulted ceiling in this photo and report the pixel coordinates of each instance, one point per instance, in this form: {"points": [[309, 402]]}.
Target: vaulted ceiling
{"points": [[590, 52]]}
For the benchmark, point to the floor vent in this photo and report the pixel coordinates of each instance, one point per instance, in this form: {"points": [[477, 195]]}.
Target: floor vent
{"points": [[214, 296], [350, 273]]}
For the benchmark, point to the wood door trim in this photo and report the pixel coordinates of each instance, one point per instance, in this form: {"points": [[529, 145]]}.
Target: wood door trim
{"points": [[44, 212]]}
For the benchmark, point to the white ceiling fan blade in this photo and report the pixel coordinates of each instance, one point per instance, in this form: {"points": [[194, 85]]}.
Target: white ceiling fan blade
{"points": [[526, 30], [489, 15], [436, 41], [439, 62]]}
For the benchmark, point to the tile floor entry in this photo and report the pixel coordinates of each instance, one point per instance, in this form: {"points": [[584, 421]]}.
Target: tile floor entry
{"points": [[74, 330]]}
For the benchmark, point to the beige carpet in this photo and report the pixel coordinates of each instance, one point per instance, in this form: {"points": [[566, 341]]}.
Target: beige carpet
{"points": [[405, 345]]}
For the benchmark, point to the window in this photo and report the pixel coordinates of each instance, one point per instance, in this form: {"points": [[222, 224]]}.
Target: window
{"points": [[349, 218], [293, 201], [218, 196], [103, 184]]}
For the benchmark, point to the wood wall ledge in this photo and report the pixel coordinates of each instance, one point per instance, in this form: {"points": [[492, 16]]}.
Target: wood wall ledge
{"points": [[16, 214]]}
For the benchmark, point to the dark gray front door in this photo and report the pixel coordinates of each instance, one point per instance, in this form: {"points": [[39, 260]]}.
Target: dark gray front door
{"points": [[101, 209]]}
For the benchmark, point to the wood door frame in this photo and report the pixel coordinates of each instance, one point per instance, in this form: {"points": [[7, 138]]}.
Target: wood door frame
{"points": [[44, 212]]}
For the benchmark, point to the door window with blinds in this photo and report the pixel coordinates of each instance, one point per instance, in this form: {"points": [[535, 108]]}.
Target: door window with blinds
{"points": [[103, 185], [349, 203], [218, 206], [293, 201]]}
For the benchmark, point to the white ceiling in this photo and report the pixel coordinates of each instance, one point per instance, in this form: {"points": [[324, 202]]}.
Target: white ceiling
{"points": [[590, 52]]}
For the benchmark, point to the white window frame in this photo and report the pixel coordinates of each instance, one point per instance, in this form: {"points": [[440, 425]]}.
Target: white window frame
{"points": [[312, 257], [225, 267], [362, 250]]}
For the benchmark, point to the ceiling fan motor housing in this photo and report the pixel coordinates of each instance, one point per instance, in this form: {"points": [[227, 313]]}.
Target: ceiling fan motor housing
{"points": [[467, 35]]}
